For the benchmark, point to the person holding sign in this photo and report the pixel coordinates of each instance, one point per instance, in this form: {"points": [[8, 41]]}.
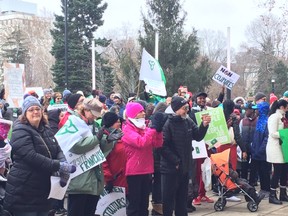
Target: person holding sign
{"points": [[84, 190], [36, 155], [178, 131], [139, 142], [274, 151]]}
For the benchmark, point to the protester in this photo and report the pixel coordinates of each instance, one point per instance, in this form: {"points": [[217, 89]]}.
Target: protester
{"points": [[179, 131], [118, 100], [260, 97], [36, 155], [45, 99], [56, 99], [114, 166], [139, 142], [274, 151], [84, 190], [110, 100]]}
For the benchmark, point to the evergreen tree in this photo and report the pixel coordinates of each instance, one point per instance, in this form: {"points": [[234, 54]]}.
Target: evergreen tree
{"points": [[178, 52], [281, 79], [83, 19]]}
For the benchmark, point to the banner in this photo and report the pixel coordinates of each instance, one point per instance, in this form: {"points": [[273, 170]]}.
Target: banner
{"points": [[14, 84], [72, 131], [112, 204], [152, 74], [217, 132], [225, 77], [62, 107], [200, 150]]}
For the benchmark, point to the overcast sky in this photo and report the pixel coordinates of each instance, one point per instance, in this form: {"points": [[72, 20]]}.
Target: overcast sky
{"points": [[201, 14]]}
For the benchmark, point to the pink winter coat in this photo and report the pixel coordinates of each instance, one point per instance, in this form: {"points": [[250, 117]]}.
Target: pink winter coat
{"points": [[139, 146]]}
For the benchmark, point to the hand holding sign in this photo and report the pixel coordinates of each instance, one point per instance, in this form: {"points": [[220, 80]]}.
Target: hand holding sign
{"points": [[206, 119]]}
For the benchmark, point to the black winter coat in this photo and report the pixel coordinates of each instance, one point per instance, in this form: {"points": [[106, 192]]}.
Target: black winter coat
{"points": [[28, 183], [177, 147]]}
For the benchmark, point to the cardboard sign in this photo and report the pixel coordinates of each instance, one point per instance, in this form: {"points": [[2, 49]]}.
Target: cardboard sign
{"points": [[225, 77], [200, 150], [217, 132]]}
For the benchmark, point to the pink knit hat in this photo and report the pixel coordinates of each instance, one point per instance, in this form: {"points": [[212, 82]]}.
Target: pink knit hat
{"points": [[132, 109]]}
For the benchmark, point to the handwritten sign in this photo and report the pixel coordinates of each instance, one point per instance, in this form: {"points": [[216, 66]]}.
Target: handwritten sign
{"points": [[199, 149], [112, 204], [217, 132], [223, 76]]}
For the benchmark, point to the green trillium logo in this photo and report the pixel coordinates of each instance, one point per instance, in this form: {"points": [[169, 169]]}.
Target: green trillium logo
{"points": [[68, 128], [151, 64]]}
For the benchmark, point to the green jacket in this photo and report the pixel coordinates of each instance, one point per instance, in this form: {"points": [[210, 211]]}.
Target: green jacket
{"points": [[92, 181]]}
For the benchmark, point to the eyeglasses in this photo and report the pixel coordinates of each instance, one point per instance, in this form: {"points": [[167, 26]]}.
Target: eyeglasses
{"points": [[34, 109], [59, 98]]}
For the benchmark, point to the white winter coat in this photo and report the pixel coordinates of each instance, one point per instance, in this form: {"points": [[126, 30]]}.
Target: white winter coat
{"points": [[273, 148]]}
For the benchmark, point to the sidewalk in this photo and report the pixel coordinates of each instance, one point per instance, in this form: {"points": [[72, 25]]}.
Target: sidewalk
{"points": [[240, 208]]}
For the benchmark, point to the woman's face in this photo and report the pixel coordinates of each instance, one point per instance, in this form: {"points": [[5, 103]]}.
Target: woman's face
{"points": [[89, 115], [117, 124], [34, 115], [140, 115]]}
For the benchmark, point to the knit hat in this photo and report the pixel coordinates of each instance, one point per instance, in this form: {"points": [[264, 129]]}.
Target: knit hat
{"points": [[177, 103], [273, 98], [94, 105], [259, 96], [132, 109], [117, 95], [73, 100], [102, 98], [80, 92], [66, 92], [46, 91], [201, 94], [285, 94], [109, 119], [28, 102]]}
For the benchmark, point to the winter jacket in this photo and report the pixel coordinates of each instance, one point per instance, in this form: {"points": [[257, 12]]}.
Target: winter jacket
{"points": [[177, 147], [273, 148], [139, 145], [114, 166], [92, 181], [34, 161], [53, 118], [247, 126]]}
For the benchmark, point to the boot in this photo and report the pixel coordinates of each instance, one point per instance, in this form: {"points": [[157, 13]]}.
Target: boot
{"points": [[157, 209], [190, 207], [283, 194], [273, 197]]}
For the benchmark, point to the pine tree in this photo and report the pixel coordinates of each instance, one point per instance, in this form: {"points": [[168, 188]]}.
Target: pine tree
{"points": [[178, 52], [83, 19]]}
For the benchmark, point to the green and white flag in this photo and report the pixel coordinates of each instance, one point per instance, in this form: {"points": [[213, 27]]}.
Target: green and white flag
{"points": [[152, 74]]}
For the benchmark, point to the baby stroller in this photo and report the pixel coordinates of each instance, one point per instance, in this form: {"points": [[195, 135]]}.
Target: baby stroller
{"points": [[220, 168]]}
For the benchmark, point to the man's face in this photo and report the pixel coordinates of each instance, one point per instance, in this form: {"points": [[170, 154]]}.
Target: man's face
{"points": [[201, 100], [116, 100], [261, 100]]}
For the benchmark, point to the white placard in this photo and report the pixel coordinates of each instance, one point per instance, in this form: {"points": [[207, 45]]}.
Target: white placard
{"points": [[200, 150], [112, 204], [225, 77], [62, 107], [156, 87], [56, 191]]}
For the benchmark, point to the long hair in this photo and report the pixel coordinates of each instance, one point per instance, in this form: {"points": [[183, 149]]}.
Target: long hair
{"points": [[23, 119], [276, 105]]}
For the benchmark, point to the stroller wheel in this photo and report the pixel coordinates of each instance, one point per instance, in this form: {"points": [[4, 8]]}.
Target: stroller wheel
{"points": [[223, 201], [218, 206], [252, 206]]}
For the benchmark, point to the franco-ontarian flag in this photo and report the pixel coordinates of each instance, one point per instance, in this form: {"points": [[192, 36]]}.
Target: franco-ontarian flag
{"points": [[152, 74]]}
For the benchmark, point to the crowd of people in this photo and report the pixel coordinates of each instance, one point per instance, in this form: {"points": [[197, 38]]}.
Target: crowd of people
{"points": [[148, 150]]}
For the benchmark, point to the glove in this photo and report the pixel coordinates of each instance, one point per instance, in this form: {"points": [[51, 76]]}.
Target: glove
{"points": [[100, 133], [65, 170], [109, 187], [114, 136], [158, 120]]}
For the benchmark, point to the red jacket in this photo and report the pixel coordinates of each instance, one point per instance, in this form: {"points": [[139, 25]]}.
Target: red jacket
{"points": [[114, 166]]}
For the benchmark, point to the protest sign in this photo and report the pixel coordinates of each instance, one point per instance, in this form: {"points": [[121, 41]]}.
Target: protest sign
{"points": [[225, 77], [14, 82], [56, 191], [217, 132], [62, 107], [5, 128], [112, 204], [72, 131], [200, 150], [284, 137]]}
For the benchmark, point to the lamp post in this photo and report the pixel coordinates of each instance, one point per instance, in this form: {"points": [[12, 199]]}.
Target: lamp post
{"points": [[272, 84], [66, 45]]}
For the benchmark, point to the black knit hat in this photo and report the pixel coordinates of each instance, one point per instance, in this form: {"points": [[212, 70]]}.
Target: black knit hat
{"points": [[177, 103], [109, 119], [73, 100]]}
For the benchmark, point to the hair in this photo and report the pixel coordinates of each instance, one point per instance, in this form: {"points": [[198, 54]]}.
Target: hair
{"points": [[276, 105], [56, 94], [23, 119]]}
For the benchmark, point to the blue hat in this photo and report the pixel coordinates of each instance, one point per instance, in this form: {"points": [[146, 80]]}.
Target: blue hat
{"points": [[66, 92], [30, 101]]}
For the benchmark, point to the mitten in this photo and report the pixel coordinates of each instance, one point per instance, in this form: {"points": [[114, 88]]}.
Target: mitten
{"points": [[114, 136], [100, 133], [158, 121], [109, 187], [65, 170]]}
